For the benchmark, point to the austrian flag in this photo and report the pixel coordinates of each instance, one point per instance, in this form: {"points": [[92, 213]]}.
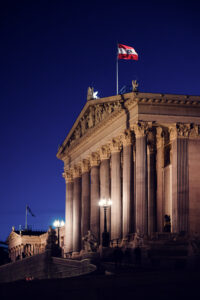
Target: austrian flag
{"points": [[126, 52]]}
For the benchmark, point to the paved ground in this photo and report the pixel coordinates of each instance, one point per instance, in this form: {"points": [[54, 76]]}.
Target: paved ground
{"points": [[134, 284]]}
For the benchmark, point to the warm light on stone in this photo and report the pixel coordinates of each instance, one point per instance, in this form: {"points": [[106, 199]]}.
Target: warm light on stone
{"points": [[105, 202]]}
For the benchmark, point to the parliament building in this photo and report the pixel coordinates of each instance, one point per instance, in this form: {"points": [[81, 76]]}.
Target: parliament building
{"points": [[141, 151]]}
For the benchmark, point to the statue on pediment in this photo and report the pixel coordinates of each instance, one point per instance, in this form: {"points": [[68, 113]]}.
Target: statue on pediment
{"points": [[135, 85], [90, 93]]}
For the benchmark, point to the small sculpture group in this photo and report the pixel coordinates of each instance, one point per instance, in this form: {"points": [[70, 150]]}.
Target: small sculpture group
{"points": [[89, 242]]}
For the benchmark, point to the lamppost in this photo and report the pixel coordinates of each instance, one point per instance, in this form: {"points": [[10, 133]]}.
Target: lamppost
{"points": [[58, 224], [105, 203]]}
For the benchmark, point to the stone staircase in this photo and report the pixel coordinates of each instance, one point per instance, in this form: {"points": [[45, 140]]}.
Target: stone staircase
{"points": [[168, 254], [62, 268], [44, 266]]}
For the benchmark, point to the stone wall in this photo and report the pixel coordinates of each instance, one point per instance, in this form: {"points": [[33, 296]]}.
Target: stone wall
{"points": [[36, 266], [43, 266]]}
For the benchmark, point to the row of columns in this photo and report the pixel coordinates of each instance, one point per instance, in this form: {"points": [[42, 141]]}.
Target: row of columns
{"points": [[103, 177], [136, 189], [20, 251]]}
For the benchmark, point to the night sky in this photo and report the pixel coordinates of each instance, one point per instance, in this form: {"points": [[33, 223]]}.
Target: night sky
{"points": [[50, 52]]}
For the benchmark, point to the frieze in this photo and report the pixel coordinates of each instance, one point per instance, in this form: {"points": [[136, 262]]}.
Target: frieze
{"points": [[93, 116]]}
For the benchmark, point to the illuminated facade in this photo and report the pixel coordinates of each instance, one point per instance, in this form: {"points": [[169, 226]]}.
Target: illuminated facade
{"points": [[142, 151], [27, 243]]}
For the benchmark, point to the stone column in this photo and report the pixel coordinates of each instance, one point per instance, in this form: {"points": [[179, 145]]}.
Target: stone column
{"points": [[77, 209], [116, 209], [127, 183], [104, 186], [160, 175], [141, 178], [68, 211], [151, 166], [85, 219], [95, 196], [180, 180]]}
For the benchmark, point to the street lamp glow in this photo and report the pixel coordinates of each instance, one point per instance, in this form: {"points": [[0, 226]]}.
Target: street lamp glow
{"points": [[105, 202], [62, 223], [58, 223]]}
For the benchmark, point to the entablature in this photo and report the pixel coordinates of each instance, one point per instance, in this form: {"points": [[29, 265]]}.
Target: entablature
{"points": [[105, 118]]}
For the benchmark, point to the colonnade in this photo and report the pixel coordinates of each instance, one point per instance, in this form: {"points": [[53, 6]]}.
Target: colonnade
{"points": [[143, 171], [25, 250], [122, 170]]}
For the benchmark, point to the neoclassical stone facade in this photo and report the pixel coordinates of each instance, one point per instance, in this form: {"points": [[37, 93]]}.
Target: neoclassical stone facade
{"points": [[27, 243], [142, 151]]}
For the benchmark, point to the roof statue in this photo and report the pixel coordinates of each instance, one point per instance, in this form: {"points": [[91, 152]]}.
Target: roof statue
{"points": [[135, 85], [91, 94]]}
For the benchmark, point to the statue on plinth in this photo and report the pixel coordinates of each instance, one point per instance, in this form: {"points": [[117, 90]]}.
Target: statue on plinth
{"points": [[89, 242], [138, 240]]}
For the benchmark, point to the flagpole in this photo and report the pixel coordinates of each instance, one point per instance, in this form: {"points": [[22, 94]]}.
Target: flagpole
{"points": [[117, 71], [26, 218]]}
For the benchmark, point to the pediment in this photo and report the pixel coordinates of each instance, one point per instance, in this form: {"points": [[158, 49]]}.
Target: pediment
{"points": [[93, 113], [12, 236]]}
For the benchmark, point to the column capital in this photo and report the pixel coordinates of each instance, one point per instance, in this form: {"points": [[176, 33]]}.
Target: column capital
{"points": [[85, 166], [94, 159], [77, 171], [194, 130], [183, 130], [105, 152], [68, 175], [173, 132], [115, 145], [159, 137], [127, 138], [140, 129]]}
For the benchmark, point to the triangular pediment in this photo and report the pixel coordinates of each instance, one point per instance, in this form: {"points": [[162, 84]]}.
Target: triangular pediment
{"points": [[93, 113]]}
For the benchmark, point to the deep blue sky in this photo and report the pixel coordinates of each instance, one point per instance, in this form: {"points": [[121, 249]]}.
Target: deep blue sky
{"points": [[50, 52]]}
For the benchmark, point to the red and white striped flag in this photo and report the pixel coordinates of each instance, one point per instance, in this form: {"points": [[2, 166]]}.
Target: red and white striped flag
{"points": [[126, 52]]}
